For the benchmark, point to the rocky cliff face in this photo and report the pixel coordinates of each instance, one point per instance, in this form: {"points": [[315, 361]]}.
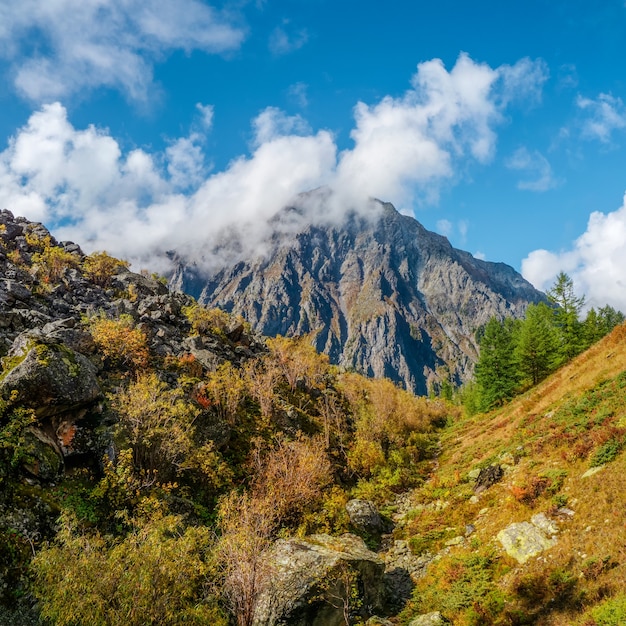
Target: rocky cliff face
{"points": [[380, 294]]}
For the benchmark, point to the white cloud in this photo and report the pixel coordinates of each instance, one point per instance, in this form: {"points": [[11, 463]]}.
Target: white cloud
{"points": [[536, 166], [605, 114], [137, 204], [405, 147], [206, 115], [595, 262], [272, 123], [59, 47], [281, 42], [524, 81]]}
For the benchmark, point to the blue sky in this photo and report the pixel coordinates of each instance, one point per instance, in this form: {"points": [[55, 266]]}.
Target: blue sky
{"points": [[142, 125]]}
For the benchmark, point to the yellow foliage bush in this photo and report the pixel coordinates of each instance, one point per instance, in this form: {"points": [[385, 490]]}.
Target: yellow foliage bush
{"points": [[100, 267], [298, 360], [158, 423], [154, 576], [51, 262], [225, 391], [121, 343], [205, 320]]}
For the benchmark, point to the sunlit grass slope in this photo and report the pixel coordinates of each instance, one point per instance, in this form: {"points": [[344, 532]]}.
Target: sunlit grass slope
{"points": [[546, 441]]}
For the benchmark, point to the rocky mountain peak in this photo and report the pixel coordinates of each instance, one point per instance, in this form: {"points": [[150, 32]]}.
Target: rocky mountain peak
{"points": [[376, 291]]}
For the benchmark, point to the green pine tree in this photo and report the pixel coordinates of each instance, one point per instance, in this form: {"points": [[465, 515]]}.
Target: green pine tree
{"points": [[537, 343], [496, 371], [567, 309]]}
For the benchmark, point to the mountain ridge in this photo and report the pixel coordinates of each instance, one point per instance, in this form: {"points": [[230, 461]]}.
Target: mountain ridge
{"points": [[378, 293]]}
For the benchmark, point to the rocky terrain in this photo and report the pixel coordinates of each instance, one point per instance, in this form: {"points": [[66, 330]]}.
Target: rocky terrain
{"points": [[160, 463], [377, 293]]}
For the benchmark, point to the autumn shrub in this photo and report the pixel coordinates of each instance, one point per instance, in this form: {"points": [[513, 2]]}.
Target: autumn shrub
{"points": [[155, 575], [262, 378], [224, 391], [158, 424], [205, 320], [120, 342], [100, 267], [287, 482], [298, 360], [393, 435], [291, 475], [51, 262], [247, 525]]}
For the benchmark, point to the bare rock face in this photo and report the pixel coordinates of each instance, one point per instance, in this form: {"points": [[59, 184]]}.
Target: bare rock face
{"points": [[315, 579], [380, 294]]}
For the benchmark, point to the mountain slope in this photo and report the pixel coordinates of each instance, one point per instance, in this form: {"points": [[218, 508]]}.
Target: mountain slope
{"points": [[382, 295], [548, 467]]}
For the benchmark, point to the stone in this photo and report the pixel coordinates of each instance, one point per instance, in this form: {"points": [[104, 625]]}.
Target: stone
{"points": [[543, 523], [488, 476], [50, 379], [524, 540], [42, 458], [592, 471], [429, 619], [364, 516], [304, 570]]}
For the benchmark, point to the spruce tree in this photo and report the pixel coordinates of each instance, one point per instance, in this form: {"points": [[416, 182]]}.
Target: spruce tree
{"points": [[567, 309], [537, 343], [496, 370]]}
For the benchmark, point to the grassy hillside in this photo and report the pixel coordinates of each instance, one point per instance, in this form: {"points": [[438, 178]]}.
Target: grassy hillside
{"points": [[545, 441]]}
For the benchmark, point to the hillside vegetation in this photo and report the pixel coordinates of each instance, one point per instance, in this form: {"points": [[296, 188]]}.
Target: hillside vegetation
{"points": [[160, 463], [560, 446]]}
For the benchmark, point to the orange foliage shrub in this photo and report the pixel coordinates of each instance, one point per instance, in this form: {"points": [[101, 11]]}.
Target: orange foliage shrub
{"points": [[121, 343]]}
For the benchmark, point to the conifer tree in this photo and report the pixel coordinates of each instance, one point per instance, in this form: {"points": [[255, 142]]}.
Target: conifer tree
{"points": [[537, 343], [568, 306], [496, 370]]}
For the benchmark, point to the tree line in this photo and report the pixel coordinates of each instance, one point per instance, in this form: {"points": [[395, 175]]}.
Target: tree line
{"points": [[517, 354]]}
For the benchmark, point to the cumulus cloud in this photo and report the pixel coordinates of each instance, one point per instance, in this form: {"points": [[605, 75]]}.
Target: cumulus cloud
{"points": [[595, 262], [137, 204], [604, 115], [537, 167], [405, 147], [59, 47]]}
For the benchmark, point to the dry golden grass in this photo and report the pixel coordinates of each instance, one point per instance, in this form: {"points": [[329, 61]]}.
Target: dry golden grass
{"points": [[546, 440]]}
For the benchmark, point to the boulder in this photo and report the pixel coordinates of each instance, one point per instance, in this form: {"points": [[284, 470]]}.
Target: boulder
{"points": [[315, 577], [487, 477], [51, 379], [429, 619], [365, 517], [42, 458], [524, 540]]}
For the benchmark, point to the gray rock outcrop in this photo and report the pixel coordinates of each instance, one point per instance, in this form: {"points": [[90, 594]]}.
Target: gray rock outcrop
{"points": [[314, 578]]}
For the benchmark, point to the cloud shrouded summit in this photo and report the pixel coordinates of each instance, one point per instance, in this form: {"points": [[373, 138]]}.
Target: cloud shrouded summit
{"points": [[136, 204]]}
